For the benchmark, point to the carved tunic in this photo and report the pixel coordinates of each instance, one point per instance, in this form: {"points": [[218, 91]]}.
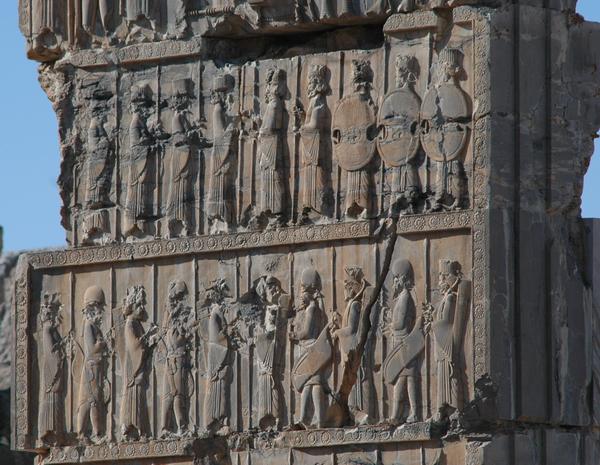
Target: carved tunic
{"points": [[133, 403], [215, 406], [181, 155], [223, 151], [444, 349], [97, 164], [139, 192], [136, 9], [176, 377], [403, 323], [265, 350], [314, 136], [45, 15], [348, 340], [88, 13], [91, 385], [312, 361], [51, 411], [270, 157]]}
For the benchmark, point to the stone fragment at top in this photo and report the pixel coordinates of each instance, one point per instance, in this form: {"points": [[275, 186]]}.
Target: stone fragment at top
{"points": [[54, 27]]}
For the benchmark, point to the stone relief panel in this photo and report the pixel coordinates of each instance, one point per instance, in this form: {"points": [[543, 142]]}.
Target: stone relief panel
{"points": [[192, 347], [316, 139]]}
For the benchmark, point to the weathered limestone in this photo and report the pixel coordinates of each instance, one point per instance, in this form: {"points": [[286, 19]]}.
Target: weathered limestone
{"points": [[7, 273], [358, 245]]}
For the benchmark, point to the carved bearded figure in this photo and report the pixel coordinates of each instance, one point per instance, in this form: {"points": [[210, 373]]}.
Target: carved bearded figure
{"points": [[401, 367], [134, 424], [224, 153], [348, 334], [51, 415], [92, 402], [140, 185], [312, 335], [354, 133], [270, 146], [445, 118], [178, 339], [314, 136], [216, 403], [179, 198], [448, 332]]}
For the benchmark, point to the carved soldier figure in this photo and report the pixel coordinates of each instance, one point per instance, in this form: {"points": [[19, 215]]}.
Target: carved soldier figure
{"points": [[270, 146], [398, 140], [315, 139], [51, 415], [134, 424], [448, 332], [216, 402], [445, 119], [354, 290], [179, 199], [139, 204], [309, 371], [92, 402], [354, 133], [270, 292], [178, 339], [223, 156], [401, 367]]}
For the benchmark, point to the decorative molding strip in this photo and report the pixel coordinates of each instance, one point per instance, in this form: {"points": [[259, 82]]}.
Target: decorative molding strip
{"points": [[414, 432], [130, 54], [124, 451], [243, 241]]}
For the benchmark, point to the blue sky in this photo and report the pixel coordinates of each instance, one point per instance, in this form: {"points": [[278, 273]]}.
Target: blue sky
{"points": [[29, 156]]}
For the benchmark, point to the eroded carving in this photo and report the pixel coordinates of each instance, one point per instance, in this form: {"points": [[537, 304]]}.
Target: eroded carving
{"points": [[51, 414], [402, 365], [178, 337], [180, 198], [94, 387], [268, 344], [220, 207], [354, 139], [398, 140], [356, 292], [216, 402], [134, 422], [316, 145], [311, 331], [448, 329], [141, 179], [270, 148], [98, 172], [445, 118]]}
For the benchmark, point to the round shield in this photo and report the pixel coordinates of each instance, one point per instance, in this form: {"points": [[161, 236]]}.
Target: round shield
{"points": [[398, 140], [444, 133], [354, 132]]}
